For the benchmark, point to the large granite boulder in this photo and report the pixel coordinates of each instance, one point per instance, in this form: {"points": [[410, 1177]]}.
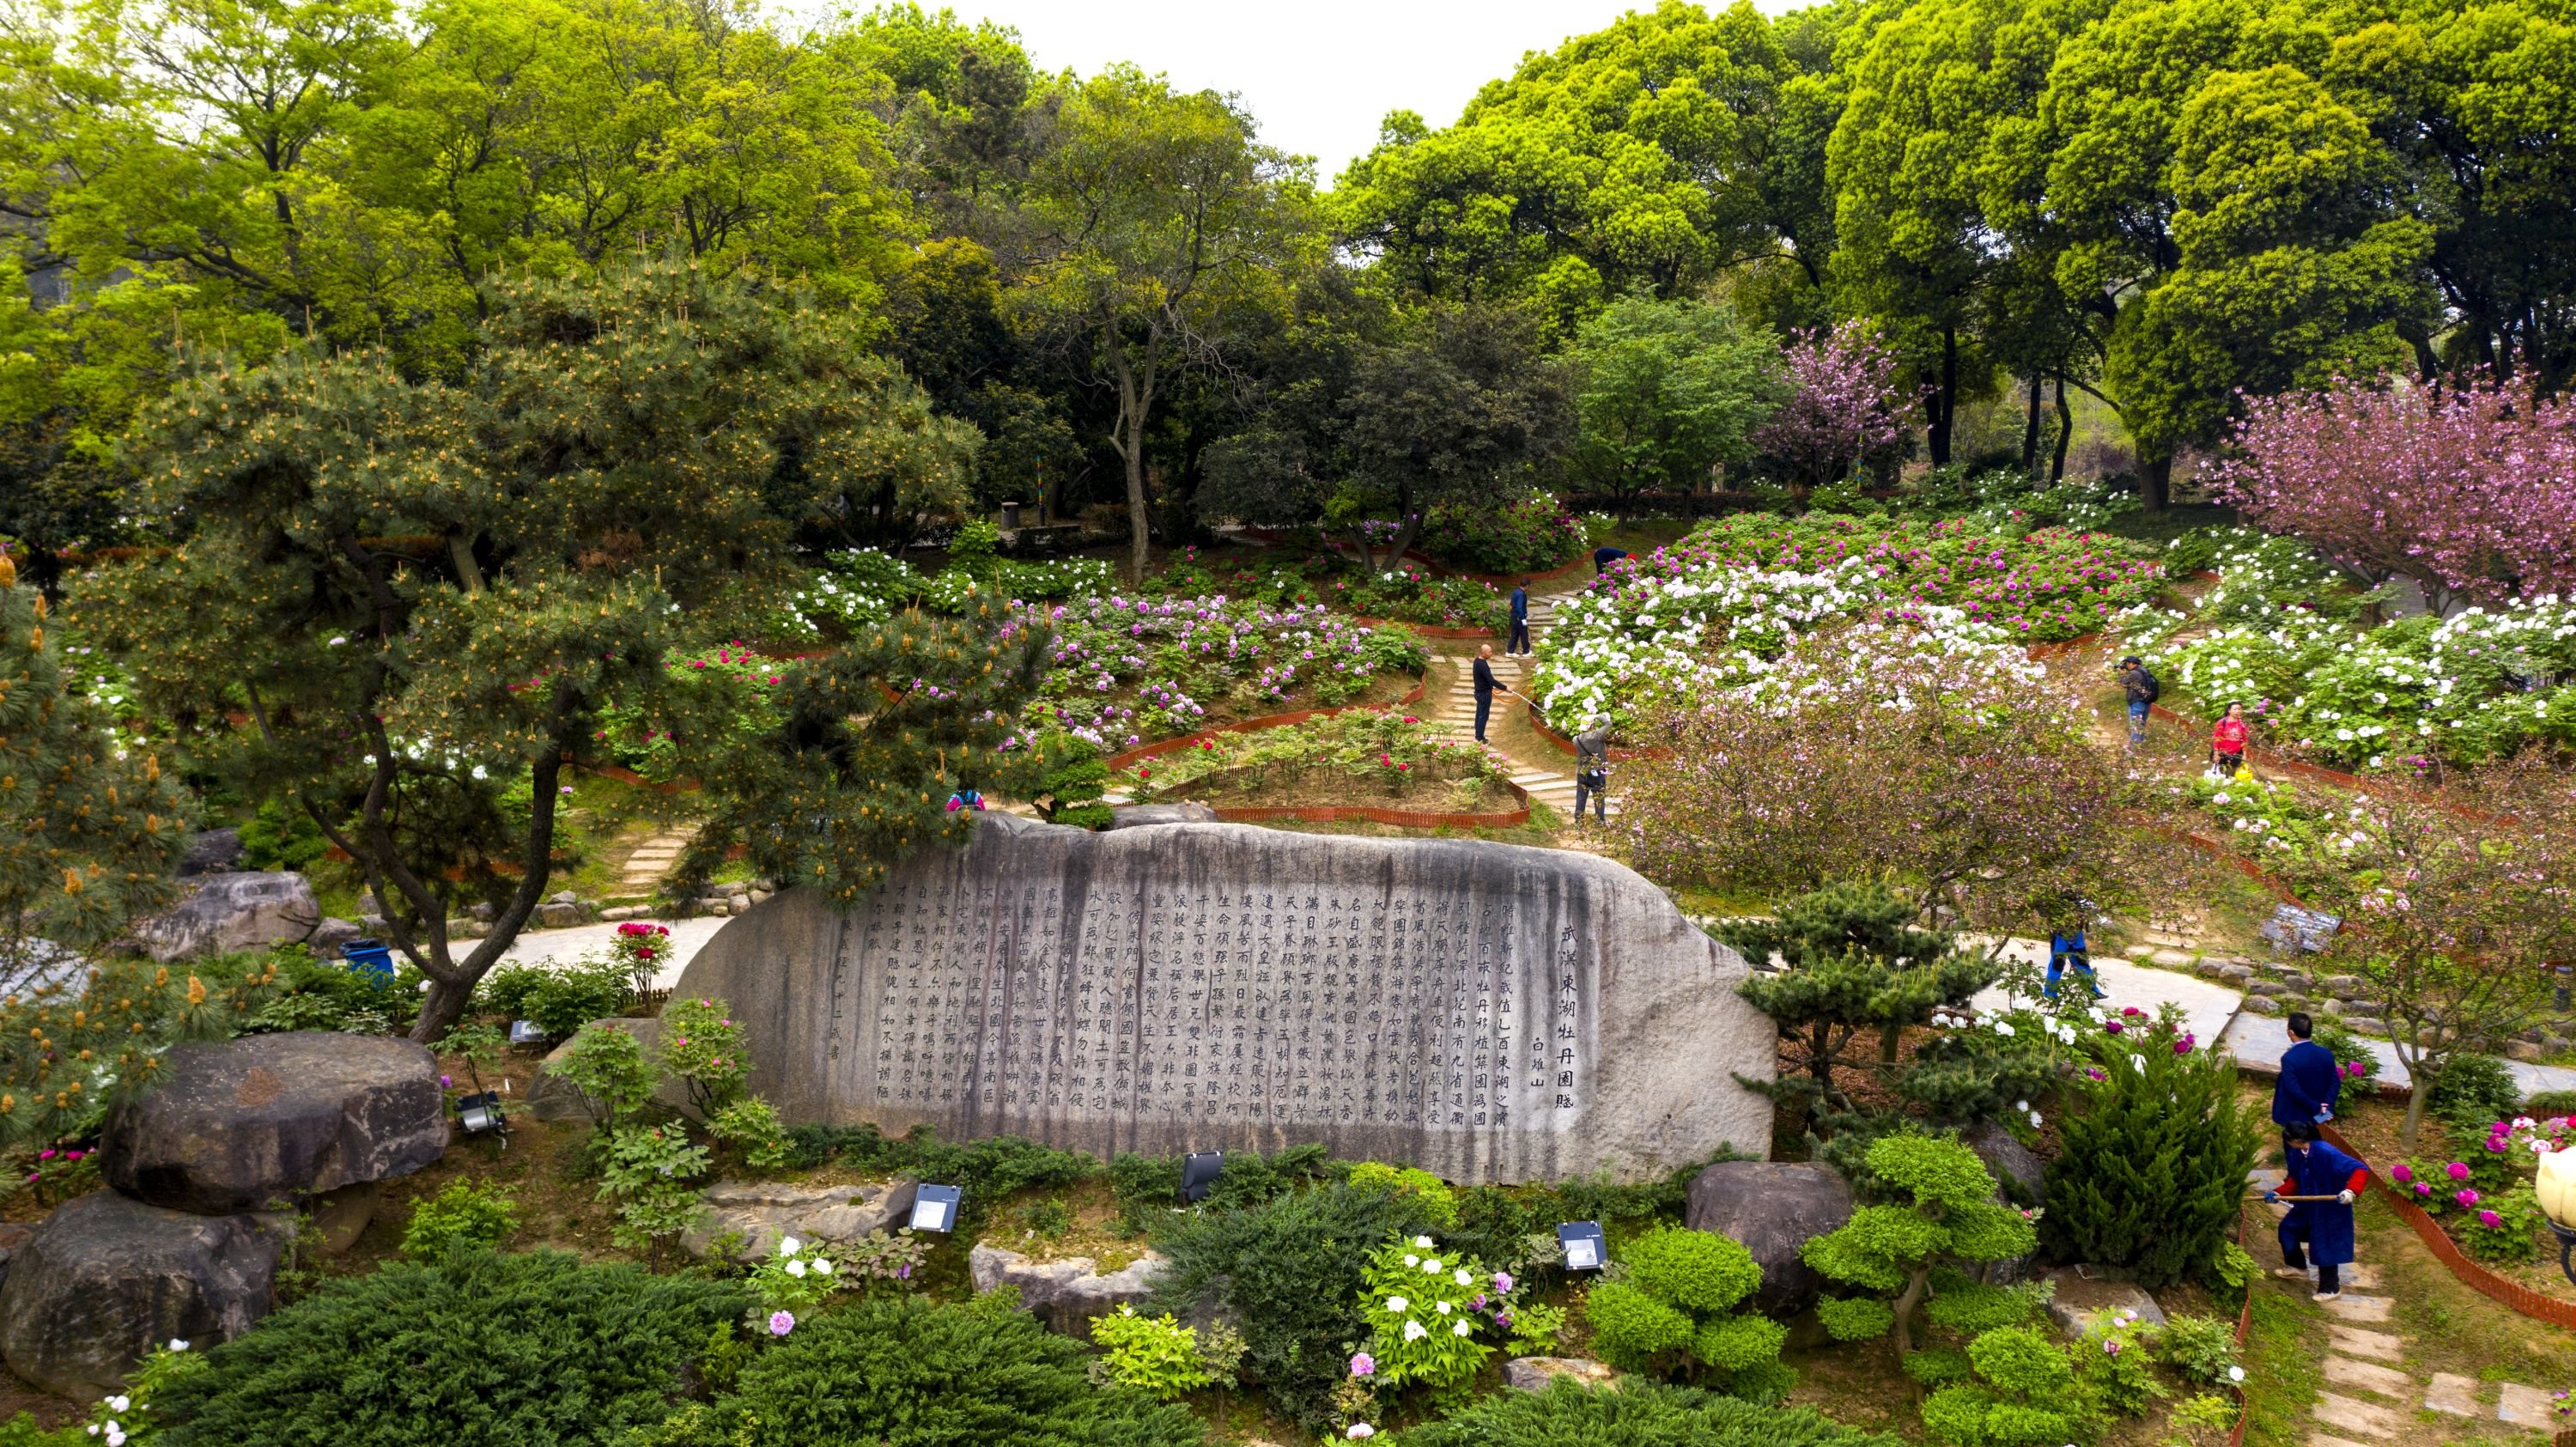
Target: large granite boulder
{"points": [[267, 1119], [745, 1219], [1065, 1294], [106, 1279], [1772, 1207], [1487, 1012], [1537, 1374], [2019, 1172], [232, 911], [2079, 1296]]}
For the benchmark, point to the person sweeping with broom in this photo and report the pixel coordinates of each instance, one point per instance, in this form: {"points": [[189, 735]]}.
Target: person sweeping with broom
{"points": [[2322, 1184]]}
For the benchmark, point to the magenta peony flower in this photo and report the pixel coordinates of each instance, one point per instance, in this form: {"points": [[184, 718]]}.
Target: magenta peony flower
{"points": [[2401, 1173], [2458, 1172], [2423, 1189], [2465, 1197], [2489, 1218], [2113, 1026]]}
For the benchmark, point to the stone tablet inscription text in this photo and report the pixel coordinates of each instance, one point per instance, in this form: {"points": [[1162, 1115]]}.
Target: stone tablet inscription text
{"points": [[1485, 1012], [1290, 1007]]}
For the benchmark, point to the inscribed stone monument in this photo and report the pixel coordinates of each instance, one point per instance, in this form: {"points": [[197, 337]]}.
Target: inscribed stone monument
{"points": [[1484, 1011]]}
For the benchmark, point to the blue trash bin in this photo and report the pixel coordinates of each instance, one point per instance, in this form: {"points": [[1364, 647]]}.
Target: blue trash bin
{"points": [[370, 955]]}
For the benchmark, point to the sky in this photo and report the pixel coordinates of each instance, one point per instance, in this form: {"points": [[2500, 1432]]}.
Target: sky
{"points": [[1317, 74]]}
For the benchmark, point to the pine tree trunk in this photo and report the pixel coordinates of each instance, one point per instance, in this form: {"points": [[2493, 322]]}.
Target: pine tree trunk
{"points": [[2065, 434], [2030, 429], [440, 1010], [2155, 482]]}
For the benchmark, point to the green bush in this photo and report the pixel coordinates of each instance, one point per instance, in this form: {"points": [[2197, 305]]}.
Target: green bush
{"points": [[991, 1170], [1638, 1414], [281, 837], [2156, 1147], [1436, 1196], [471, 1350], [1290, 1270], [2201, 1349], [465, 1213], [2474, 1092], [559, 998], [1674, 1298], [2025, 1395], [606, 1064], [1148, 1187], [1159, 1356], [901, 1372]]}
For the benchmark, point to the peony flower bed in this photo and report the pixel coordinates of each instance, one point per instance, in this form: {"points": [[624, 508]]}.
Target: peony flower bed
{"points": [[2484, 1197], [1716, 610], [1125, 670]]}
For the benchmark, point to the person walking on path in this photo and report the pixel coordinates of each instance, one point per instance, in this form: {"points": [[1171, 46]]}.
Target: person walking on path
{"points": [[1520, 639], [2227, 741], [1486, 687], [2310, 1083], [2141, 688], [2321, 1224], [1592, 769], [1603, 556], [2067, 950]]}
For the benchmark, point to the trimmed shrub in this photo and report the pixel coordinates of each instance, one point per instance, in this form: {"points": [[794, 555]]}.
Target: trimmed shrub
{"points": [[465, 1213], [2025, 1395], [1674, 1302], [559, 998], [471, 1350], [902, 1372], [1290, 1270], [2474, 1092], [2156, 1150], [1638, 1414]]}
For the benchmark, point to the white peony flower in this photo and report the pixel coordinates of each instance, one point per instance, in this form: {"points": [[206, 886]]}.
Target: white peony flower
{"points": [[1462, 1277], [1422, 1241], [789, 1245], [1415, 1331], [1431, 1265], [1441, 1307], [1460, 1329], [1361, 1431], [119, 1404], [822, 1266], [1412, 1260], [1398, 1305], [795, 1267]]}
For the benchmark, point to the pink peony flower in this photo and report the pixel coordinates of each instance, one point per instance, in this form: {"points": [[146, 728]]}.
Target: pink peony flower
{"points": [[2489, 1218], [1363, 1365], [2458, 1172], [2465, 1197], [781, 1322]]}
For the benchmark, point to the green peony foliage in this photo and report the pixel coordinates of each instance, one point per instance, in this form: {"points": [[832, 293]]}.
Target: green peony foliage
{"points": [[471, 1350]]}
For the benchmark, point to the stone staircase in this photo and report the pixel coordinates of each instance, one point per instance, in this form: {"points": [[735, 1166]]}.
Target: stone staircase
{"points": [[651, 862]]}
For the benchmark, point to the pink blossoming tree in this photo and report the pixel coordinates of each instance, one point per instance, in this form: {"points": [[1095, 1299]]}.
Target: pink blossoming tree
{"points": [[1846, 406], [2469, 490]]}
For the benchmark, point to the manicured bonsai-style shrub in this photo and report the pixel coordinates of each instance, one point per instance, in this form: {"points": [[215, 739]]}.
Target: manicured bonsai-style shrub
{"points": [[470, 1350], [1291, 1271], [2024, 1394], [1942, 1215], [1676, 1304], [900, 1371], [1638, 1414]]}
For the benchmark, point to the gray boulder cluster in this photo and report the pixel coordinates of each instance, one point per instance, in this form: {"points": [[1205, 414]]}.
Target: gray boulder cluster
{"points": [[206, 1175]]}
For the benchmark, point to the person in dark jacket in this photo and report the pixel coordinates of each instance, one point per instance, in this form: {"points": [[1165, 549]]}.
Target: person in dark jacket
{"points": [[1604, 556], [2310, 1085], [1486, 687], [1592, 769], [2141, 689], [1520, 639], [2318, 1231]]}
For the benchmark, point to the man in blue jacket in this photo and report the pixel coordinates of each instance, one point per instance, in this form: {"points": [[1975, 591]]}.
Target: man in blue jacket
{"points": [[1520, 640], [2322, 1225], [2310, 1084]]}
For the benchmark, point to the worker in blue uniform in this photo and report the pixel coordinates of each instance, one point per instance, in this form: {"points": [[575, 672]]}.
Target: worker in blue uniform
{"points": [[2318, 1229]]}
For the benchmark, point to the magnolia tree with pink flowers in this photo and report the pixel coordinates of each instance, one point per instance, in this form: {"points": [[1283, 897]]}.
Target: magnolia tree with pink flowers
{"points": [[2470, 491], [1848, 404]]}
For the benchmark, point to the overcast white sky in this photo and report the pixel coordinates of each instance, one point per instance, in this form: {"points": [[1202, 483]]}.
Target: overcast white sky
{"points": [[1318, 74]]}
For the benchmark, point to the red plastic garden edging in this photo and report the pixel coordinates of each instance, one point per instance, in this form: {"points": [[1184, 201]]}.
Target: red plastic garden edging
{"points": [[1160, 747], [1618, 753], [2521, 1299]]}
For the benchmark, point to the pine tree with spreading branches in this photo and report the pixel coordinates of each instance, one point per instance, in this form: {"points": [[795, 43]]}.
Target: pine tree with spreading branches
{"points": [[402, 602]]}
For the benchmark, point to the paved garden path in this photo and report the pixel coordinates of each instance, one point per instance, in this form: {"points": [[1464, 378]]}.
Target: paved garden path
{"points": [[652, 861], [1549, 777], [2259, 1040], [2373, 1386]]}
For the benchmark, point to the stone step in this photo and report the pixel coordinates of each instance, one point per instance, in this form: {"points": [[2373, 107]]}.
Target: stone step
{"points": [[2358, 1308], [2360, 1418], [2359, 1342], [2369, 1377], [2454, 1394], [2527, 1407], [2328, 1439]]}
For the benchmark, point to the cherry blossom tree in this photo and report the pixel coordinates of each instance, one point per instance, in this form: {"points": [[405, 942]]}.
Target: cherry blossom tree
{"points": [[2468, 489], [1847, 404]]}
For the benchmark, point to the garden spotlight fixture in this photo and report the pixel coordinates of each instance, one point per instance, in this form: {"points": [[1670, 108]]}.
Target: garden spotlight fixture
{"points": [[1583, 1246], [934, 1208], [480, 1114], [1199, 1170]]}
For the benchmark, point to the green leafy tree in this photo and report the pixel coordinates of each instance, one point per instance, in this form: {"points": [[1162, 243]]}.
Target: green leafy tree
{"points": [[1942, 1214], [1676, 1299], [1854, 961], [2155, 1150], [89, 828], [1668, 390], [1153, 214], [420, 596]]}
